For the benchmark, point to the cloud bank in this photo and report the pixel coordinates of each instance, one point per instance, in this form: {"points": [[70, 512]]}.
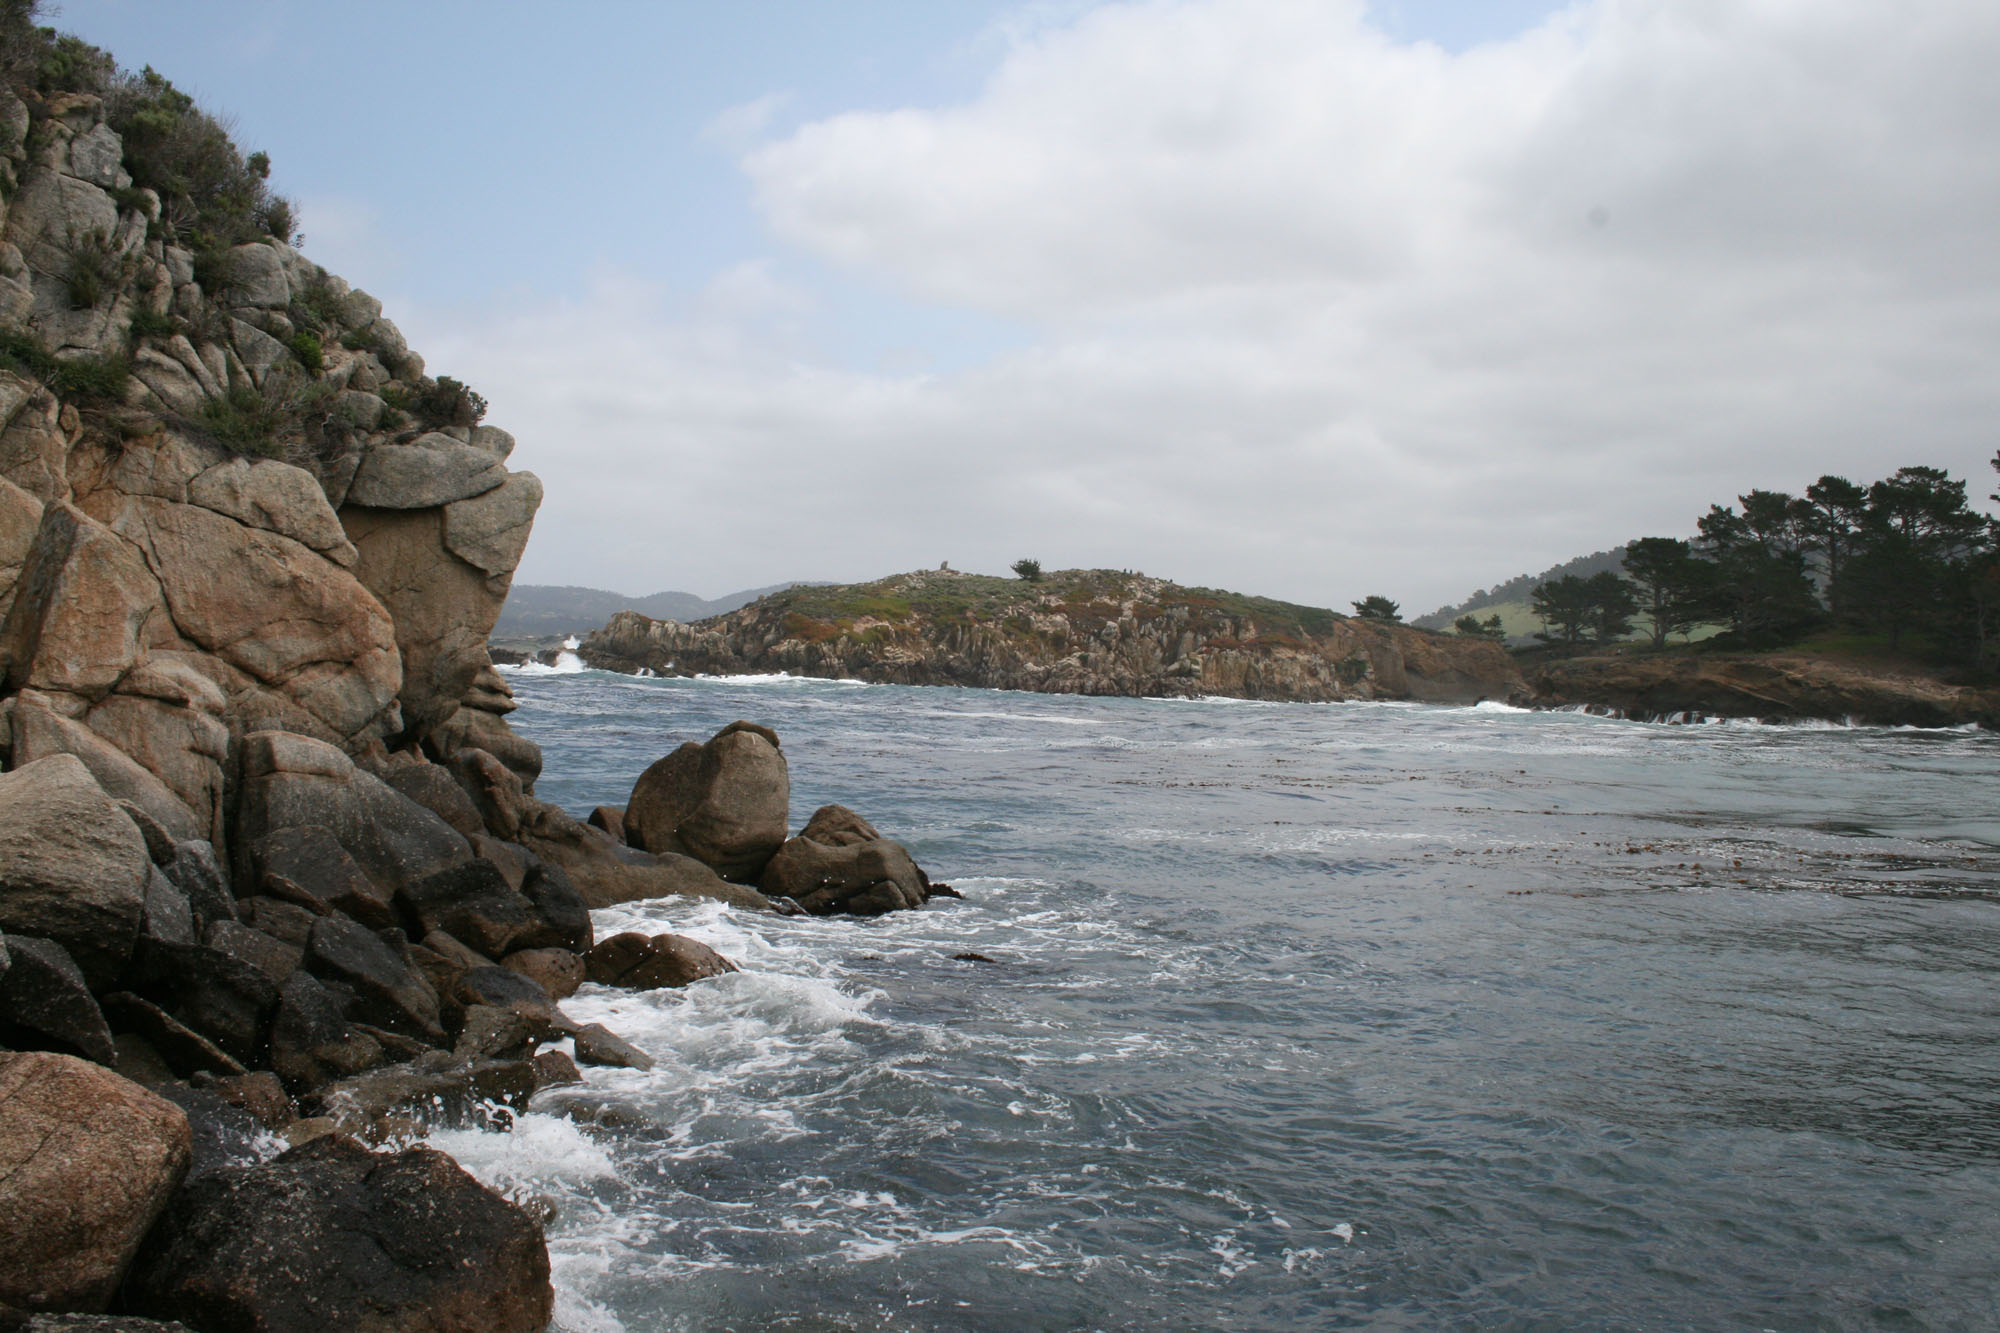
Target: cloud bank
{"points": [[1309, 312]]}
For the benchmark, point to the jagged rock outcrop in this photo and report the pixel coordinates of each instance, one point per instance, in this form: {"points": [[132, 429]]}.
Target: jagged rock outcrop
{"points": [[1075, 632], [1774, 687]]}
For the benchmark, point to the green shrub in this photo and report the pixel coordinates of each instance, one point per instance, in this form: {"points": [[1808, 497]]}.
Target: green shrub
{"points": [[150, 323], [447, 403], [96, 270], [316, 307], [246, 420], [306, 347], [211, 196], [1029, 570], [84, 378]]}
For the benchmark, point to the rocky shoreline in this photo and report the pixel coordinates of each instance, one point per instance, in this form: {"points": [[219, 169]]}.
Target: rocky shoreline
{"points": [[276, 893], [1771, 687], [1095, 632]]}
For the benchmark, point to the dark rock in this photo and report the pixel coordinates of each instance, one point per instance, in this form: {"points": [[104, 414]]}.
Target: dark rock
{"points": [[509, 1033], [72, 867], [599, 1045], [167, 916], [498, 986], [198, 875], [945, 891], [610, 818], [406, 1241], [472, 902], [184, 1051], [495, 790], [432, 787], [725, 803], [436, 1089], [98, 1323], [557, 971], [607, 872], [260, 1095], [279, 919], [138, 1061], [971, 958], [87, 1161], [222, 1135], [312, 1041], [838, 863], [389, 992], [553, 1069], [215, 993], [275, 958], [642, 962], [307, 859], [291, 780], [560, 906], [509, 858], [46, 1005], [159, 842]]}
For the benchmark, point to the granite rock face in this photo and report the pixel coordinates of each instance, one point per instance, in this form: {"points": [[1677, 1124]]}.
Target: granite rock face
{"points": [[87, 1161]]}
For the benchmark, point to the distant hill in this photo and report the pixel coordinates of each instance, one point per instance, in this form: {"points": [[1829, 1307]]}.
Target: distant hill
{"points": [[539, 610], [1511, 598]]}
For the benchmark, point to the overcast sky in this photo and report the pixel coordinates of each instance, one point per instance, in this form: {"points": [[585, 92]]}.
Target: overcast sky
{"points": [[1307, 298]]}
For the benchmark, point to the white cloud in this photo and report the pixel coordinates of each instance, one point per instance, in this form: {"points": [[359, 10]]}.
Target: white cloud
{"points": [[1319, 314], [739, 128]]}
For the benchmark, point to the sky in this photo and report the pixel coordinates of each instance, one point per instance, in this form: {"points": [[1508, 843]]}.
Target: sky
{"points": [[1312, 299]]}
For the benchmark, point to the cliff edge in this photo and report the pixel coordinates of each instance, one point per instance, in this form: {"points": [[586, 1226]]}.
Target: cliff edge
{"points": [[1102, 632]]}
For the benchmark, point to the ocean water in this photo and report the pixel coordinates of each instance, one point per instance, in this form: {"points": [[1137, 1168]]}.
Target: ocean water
{"points": [[1363, 1016]]}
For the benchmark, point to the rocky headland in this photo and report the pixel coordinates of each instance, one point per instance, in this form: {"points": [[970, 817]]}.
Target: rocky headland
{"points": [[1772, 687], [1101, 632], [273, 874]]}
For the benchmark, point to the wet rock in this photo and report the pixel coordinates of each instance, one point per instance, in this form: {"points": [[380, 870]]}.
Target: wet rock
{"points": [[45, 1004], [221, 1134], [197, 873], [560, 906], [73, 869], [388, 991], [838, 863], [641, 962], [275, 958], [260, 1095], [87, 1161], [98, 1323], [361, 1240], [432, 787], [437, 1089], [553, 1069], [606, 872], [312, 1041], [472, 902], [599, 1045], [557, 971], [725, 802], [306, 859], [220, 996], [291, 780], [179, 1047]]}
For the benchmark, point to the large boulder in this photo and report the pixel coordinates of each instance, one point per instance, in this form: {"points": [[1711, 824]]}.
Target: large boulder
{"points": [[305, 863], [291, 780], [641, 962], [724, 803], [839, 863], [85, 609], [330, 1235], [606, 872], [87, 1161], [73, 868]]}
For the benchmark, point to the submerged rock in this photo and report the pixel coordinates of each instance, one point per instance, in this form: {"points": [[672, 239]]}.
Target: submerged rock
{"points": [[642, 962]]}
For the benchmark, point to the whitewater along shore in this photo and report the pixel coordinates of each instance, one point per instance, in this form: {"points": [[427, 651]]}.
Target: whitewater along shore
{"points": [[1097, 632], [273, 874]]}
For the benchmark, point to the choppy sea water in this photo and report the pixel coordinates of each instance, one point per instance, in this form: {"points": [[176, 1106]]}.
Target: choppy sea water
{"points": [[1299, 1017]]}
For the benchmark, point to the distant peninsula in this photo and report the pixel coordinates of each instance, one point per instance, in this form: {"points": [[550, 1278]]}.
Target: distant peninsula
{"points": [[1079, 631]]}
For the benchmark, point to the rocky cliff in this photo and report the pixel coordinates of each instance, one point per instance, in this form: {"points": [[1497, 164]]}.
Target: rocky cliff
{"points": [[1101, 632]]}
